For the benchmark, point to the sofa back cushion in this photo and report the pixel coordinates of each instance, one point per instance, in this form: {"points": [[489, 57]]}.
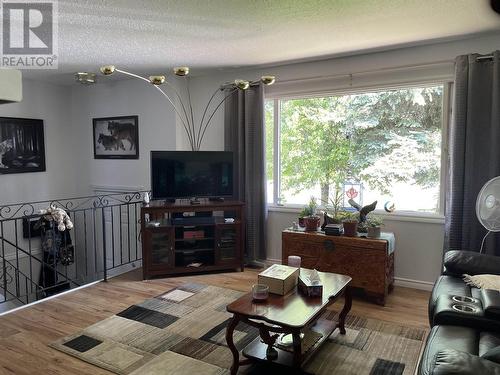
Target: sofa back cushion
{"points": [[458, 262]]}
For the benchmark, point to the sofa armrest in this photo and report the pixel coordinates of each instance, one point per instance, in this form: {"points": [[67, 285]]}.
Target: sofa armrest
{"points": [[454, 362], [491, 302], [458, 262]]}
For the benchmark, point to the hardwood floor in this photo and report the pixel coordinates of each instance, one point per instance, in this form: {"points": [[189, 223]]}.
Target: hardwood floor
{"points": [[25, 334]]}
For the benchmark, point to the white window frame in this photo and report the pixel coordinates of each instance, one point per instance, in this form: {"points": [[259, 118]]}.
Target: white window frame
{"points": [[400, 215]]}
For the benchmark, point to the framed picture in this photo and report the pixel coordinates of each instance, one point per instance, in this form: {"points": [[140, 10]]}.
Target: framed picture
{"points": [[22, 146], [116, 137]]}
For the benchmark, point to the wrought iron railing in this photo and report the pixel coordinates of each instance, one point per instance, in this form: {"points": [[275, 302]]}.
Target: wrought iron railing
{"points": [[105, 240]]}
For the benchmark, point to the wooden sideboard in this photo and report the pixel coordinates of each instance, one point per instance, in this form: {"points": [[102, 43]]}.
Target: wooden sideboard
{"points": [[369, 261]]}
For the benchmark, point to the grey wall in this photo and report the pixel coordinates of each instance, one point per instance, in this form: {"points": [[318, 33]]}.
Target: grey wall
{"points": [[50, 103], [157, 131]]}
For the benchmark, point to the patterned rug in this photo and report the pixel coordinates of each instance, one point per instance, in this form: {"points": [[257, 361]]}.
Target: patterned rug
{"points": [[183, 332]]}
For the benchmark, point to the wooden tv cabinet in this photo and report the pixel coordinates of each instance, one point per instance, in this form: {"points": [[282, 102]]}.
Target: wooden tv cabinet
{"points": [[181, 238], [369, 261]]}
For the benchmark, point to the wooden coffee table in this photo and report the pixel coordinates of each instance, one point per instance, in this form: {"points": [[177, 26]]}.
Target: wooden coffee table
{"points": [[289, 314]]}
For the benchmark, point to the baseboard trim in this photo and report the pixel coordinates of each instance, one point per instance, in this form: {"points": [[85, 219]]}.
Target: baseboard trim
{"points": [[49, 298], [398, 281], [270, 261], [414, 284]]}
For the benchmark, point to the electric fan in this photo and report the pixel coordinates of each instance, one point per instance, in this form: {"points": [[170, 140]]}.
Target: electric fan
{"points": [[488, 207]]}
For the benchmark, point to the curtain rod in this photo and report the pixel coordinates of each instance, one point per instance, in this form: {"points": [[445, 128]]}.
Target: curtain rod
{"points": [[384, 69], [485, 57]]}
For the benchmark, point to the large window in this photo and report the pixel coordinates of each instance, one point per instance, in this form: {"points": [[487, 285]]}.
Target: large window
{"points": [[382, 145]]}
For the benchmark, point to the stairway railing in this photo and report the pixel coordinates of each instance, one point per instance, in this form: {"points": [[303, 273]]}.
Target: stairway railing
{"points": [[105, 239]]}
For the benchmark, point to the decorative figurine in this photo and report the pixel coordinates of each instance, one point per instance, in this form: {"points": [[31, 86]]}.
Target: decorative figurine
{"points": [[363, 211]]}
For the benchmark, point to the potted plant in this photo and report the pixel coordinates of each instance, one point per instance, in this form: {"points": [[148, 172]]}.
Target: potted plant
{"points": [[309, 217], [334, 211], [373, 223], [303, 213], [350, 224]]}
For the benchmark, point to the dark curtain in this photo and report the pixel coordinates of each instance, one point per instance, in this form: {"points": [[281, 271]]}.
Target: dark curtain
{"points": [[244, 135], [474, 153]]}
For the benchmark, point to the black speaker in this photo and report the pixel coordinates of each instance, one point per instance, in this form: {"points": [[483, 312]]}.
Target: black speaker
{"points": [[495, 5], [29, 230]]}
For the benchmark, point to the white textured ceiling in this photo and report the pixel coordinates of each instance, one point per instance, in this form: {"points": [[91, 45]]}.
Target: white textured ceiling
{"points": [[148, 36]]}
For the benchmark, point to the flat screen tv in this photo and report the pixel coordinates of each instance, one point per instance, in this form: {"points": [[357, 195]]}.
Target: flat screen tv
{"points": [[188, 174]]}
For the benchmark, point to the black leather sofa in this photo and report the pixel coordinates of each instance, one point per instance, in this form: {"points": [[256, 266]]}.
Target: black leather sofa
{"points": [[465, 321]]}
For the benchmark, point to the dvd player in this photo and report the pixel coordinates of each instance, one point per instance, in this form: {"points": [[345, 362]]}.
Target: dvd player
{"points": [[193, 220]]}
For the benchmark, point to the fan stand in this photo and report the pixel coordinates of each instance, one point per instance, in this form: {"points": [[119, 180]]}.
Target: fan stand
{"points": [[482, 242]]}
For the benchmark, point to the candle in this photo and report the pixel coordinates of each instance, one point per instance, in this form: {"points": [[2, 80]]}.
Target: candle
{"points": [[260, 292], [294, 261]]}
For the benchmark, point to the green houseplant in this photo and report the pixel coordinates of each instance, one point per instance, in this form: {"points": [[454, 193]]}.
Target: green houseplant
{"points": [[334, 211], [350, 224], [373, 224], [310, 220]]}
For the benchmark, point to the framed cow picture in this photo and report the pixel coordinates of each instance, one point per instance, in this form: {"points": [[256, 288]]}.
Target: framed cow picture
{"points": [[22, 145], [116, 137]]}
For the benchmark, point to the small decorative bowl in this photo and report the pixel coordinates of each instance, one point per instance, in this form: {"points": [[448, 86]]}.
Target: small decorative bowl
{"points": [[260, 292]]}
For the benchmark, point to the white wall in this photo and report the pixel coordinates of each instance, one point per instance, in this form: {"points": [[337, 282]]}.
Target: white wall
{"points": [[50, 103], [157, 131]]}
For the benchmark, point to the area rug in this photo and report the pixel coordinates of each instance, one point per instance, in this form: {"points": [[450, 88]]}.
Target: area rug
{"points": [[182, 331]]}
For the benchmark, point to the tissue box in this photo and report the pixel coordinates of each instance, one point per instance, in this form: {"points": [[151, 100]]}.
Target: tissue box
{"points": [[307, 288], [279, 278]]}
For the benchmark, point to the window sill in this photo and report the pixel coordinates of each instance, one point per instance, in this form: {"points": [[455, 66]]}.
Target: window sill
{"points": [[409, 216]]}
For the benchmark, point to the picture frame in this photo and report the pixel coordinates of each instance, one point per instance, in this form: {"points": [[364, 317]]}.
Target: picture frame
{"points": [[116, 137], [22, 145]]}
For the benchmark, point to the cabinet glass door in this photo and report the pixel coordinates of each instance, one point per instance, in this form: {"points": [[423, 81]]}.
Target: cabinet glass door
{"points": [[161, 248], [228, 243]]}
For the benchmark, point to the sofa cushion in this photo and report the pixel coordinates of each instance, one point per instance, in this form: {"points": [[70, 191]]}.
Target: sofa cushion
{"points": [[453, 362], [447, 337], [457, 262], [492, 354], [491, 303], [487, 342]]}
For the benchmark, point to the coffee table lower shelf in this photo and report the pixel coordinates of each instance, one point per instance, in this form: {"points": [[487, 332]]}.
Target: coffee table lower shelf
{"points": [[256, 350]]}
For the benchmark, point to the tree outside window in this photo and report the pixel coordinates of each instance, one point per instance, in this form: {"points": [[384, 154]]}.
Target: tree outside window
{"points": [[390, 141]]}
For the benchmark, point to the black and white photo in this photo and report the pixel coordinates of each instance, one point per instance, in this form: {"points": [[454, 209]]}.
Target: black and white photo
{"points": [[21, 145], [116, 137]]}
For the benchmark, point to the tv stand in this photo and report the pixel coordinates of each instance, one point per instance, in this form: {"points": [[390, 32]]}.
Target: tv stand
{"points": [[212, 240]]}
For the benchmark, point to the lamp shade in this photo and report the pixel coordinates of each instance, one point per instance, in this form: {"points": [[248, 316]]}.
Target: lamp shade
{"points": [[157, 80], [181, 71], [241, 84], [107, 69], [267, 80]]}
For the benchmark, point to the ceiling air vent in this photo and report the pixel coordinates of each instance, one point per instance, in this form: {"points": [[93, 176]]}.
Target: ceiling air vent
{"points": [[11, 86]]}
